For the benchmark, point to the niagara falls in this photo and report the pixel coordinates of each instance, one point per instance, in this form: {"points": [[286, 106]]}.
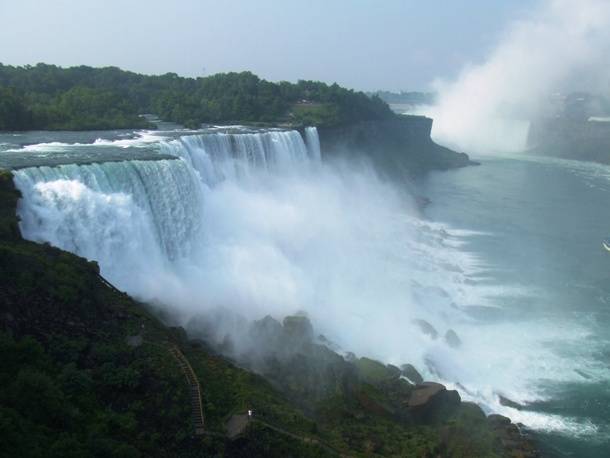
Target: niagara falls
{"points": [[305, 230]]}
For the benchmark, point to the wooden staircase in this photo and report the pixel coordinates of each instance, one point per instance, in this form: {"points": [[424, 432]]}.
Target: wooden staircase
{"points": [[195, 389]]}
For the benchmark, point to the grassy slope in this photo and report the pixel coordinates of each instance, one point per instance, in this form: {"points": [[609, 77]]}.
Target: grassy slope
{"points": [[71, 385]]}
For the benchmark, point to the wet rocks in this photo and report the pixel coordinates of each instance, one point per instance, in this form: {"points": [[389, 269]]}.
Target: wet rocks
{"points": [[431, 402], [509, 402], [394, 371], [452, 339], [411, 373], [374, 372], [511, 439], [426, 328]]}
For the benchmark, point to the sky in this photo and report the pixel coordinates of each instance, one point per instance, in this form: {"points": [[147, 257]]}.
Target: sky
{"points": [[360, 44]]}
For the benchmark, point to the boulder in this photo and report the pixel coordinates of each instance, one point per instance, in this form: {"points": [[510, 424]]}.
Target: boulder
{"points": [[411, 373], [509, 402], [394, 371], [431, 402], [424, 393], [474, 411], [511, 439], [426, 328], [452, 339], [374, 372]]}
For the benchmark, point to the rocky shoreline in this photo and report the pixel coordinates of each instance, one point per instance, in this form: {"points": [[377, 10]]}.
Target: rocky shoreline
{"points": [[310, 369]]}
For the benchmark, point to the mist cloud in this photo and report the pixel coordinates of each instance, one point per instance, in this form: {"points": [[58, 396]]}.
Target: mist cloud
{"points": [[561, 46]]}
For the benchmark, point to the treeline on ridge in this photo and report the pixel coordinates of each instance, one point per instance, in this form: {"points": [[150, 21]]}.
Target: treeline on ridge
{"points": [[85, 98]]}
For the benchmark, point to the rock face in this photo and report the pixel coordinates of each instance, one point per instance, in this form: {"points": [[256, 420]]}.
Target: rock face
{"points": [[570, 138], [372, 371], [452, 339], [401, 145], [426, 328], [298, 328], [411, 373], [431, 401], [511, 439]]}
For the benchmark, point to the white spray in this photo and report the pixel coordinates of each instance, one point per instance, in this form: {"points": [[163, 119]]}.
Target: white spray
{"points": [[561, 46]]}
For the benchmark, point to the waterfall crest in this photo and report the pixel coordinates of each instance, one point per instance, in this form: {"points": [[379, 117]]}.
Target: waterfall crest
{"points": [[221, 156]]}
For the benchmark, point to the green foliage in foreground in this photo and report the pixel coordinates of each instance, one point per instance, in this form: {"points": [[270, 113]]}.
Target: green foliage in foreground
{"points": [[81, 98]]}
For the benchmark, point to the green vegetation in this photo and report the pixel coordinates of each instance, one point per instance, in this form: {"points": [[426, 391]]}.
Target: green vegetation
{"points": [[82, 98], [407, 98]]}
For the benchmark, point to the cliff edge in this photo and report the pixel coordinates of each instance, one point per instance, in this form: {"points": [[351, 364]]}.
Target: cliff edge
{"points": [[397, 145], [578, 139]]}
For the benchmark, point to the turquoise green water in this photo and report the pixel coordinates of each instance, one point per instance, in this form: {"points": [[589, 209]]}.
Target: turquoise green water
{"points": [[541, 224]]}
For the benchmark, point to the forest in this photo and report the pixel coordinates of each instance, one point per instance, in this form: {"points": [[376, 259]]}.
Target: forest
{"points": [[49, 97]]}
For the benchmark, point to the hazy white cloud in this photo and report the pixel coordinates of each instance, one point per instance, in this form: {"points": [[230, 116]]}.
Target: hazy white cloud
{"points": [[562, 45]]}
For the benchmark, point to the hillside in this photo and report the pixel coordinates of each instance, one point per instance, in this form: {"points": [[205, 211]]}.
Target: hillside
{"points": [[85, 98]]}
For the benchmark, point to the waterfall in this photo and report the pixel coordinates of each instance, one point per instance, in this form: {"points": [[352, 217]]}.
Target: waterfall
{"points": [[222, 156], [130, 216], [313, 142], [142, 220]]}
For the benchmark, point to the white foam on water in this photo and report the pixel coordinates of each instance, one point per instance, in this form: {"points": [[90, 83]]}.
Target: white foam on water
{"points": [[141, 140], [138, 139]]}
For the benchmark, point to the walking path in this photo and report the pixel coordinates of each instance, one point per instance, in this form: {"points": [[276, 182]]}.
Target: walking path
{"points": [[191, 378]]}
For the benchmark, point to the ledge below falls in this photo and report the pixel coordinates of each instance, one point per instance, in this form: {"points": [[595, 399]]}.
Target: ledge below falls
{"points": [[398, 145]]}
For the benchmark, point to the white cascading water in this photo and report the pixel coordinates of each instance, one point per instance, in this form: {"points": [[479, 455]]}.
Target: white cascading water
{"points": [[219, 157], [257, 223], [133, 217]]}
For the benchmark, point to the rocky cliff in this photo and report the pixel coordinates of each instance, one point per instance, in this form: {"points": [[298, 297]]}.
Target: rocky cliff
{"points": [[567, 138], [398, 145]]}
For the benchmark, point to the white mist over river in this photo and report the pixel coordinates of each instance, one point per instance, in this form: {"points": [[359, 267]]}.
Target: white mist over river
{"points": [[560, 46], [507, 255]]}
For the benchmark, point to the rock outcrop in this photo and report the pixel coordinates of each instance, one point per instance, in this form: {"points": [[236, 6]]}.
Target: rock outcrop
{"points": [[409, 371], [401, 145], [511, 438], [452, 339], [426, 328], [567, 138], [431, 401]]}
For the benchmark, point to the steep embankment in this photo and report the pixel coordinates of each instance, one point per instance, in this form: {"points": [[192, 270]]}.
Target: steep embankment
{"points": [[401, 145], [570, 139], [90, 372]]}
